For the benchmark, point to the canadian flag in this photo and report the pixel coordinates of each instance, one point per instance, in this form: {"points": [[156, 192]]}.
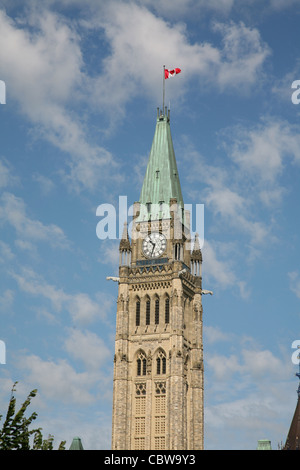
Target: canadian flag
{"points": [[171, 73]]}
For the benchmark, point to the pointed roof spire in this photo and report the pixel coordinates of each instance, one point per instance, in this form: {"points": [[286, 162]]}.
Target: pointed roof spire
{"points": [[76, 444], [293, 438], [161, 182], [125, 243], [196, 253]]}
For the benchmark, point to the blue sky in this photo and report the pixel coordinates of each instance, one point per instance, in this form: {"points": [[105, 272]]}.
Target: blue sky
{"points": [[83, 81]]}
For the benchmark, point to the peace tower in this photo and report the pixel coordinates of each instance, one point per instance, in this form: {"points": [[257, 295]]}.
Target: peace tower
{"points": [[158, 362]]}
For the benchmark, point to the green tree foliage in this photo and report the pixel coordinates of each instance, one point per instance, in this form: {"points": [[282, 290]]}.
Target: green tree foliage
{"points": [[15, 433]]}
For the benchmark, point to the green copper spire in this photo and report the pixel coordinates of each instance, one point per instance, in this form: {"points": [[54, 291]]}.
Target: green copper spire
{"points": [[76, 444], [161, 182]]}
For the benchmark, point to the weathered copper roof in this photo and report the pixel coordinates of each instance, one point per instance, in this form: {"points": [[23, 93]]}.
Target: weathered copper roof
{"points": [[264, 444], [161, 182], [76, 444]]}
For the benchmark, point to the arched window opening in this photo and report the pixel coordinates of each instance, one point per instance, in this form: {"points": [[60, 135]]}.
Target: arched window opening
{"points": [[164, 365], [156, 311], [138, 313], [167, 310], [158, 365], [148, 312], [161, 363], [141, 364]]}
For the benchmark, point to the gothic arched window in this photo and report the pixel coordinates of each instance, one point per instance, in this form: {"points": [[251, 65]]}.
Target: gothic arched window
{"points": [[156, 311], [161, 363], [167, 310], [137, 313], [148, 312], [141, 364]]}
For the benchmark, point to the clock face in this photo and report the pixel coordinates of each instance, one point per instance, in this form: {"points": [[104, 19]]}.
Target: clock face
{"points": [[154, 245]]}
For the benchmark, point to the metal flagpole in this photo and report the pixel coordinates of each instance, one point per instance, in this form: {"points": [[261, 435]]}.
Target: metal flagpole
{"points": [[163, 108]]}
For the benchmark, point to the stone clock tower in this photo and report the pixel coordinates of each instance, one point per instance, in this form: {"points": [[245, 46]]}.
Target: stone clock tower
{"points": [[158, 362]]}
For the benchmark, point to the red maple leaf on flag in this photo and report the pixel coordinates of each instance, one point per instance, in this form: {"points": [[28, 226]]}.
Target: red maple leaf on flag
{"points": [[171, 73]]}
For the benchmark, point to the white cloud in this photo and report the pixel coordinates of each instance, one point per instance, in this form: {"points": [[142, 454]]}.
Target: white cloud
{"points": [[294, 282], [58, 380], [242, 196], [215, 269], [282, 4], [251, 362], [46, 185], [219, 269], [213, 335], [182, 8], [66, 416], [261, 155], [246, 387], [42, 66], [87, 347], [224, 367], [228, 198], [141, 43], [94, 430], [80, 306], [13, 211], [262, 363], [273, 196], [200, 8], [242, 57], [7, 177], [235, 209], [5, 252], [26, 245], [256, 159], [263, 150], [109, 254], [43, 70], [251, 418], [282, 87], [225, 201], [6, 300], [85, 310], [32, 283]]}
